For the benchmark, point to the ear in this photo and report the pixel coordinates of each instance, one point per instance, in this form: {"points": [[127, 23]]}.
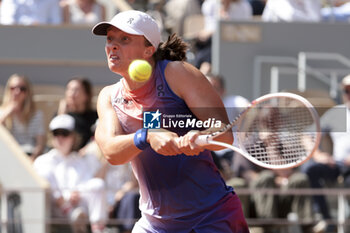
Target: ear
{"points": [[149, 52]]}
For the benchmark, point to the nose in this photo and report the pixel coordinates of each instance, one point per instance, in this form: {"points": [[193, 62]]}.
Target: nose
{"points": [[112, 46], [17, 91], [115, 47]]}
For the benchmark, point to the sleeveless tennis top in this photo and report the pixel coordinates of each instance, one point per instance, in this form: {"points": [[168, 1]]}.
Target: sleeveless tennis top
{"points": [[170, 186]]}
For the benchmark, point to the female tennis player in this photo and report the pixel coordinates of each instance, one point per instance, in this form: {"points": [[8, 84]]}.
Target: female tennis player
{"points": [[180, 192]]}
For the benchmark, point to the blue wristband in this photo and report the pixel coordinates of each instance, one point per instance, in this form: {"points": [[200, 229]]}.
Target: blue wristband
{"points": [[140, 139]]}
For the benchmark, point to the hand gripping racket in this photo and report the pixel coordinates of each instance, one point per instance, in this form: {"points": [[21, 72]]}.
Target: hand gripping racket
{"points": [[275, 131]]}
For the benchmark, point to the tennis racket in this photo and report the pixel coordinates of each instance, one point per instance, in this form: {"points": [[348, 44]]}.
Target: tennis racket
{"points": [[275, 131]]}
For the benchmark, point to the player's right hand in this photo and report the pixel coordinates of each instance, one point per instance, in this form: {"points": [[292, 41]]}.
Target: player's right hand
{"points": [[187, 143]]}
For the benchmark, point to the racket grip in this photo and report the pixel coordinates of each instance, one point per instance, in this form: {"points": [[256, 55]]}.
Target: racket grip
{"points": [[202, 140]]}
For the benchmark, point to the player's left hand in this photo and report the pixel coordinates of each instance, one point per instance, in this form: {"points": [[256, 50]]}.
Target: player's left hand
{"points": [[187, 145]]}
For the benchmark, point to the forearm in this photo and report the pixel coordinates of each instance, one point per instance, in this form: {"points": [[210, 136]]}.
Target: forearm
{"points": [[131, 185], [118, 149], [38, 150], [102, 172], [39, 147], [5, 113]]}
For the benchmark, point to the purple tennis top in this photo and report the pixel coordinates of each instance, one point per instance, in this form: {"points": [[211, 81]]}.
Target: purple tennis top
{"points": [[170, 186]]}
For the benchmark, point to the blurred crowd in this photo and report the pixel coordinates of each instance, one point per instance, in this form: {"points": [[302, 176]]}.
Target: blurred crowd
{"points": [[169, 12], [329, 167], [85, 187], [89, 192], [194, 20]]}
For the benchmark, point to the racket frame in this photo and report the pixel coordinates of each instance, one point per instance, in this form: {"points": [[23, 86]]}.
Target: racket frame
{"points": [[209, 139]]}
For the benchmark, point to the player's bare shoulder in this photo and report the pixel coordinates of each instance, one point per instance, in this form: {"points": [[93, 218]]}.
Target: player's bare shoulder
{"points": [[105, 95], [181, 76], [180, 68]]}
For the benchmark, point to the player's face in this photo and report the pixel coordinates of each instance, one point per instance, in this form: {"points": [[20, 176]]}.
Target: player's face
{"points": [[122, 48]]}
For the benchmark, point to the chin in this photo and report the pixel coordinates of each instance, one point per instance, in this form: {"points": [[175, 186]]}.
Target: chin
{"points": [[114, 68]]}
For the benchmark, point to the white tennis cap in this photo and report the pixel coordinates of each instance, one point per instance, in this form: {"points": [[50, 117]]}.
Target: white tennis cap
{"points": [[346, 80], [132, 22], [63, 121]]}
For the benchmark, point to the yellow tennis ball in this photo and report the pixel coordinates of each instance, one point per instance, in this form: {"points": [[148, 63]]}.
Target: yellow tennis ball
{"points": [[140, 70]]}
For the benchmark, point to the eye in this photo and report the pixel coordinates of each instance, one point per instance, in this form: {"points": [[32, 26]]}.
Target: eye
{"points": [[109, 38], [125, 38]]}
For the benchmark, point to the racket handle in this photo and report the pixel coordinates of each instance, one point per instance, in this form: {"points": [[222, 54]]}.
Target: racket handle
{"points": [[202, 140]]}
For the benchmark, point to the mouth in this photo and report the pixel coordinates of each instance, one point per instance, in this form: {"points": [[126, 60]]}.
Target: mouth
{"points": [[114, 57]]}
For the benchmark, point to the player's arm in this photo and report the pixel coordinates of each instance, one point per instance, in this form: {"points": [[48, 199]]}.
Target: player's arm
{"points": [[116, 146], [193, 87]]}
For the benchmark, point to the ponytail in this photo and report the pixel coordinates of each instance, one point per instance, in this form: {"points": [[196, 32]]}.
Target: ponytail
{"points": [[174, 49]]}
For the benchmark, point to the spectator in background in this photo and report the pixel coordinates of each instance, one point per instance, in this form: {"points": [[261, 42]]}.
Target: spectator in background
{"points": [[240, 172], [77, 193], [236, 10], [234, 104], [230, 10], [20, 116], [257, 6], [292, 10], [123, 196], [83, 12], [140, 5], [155, 9], [78, 103], [337, 13], [30, 12], [175, 13], [224, 158], [269, 205], [122, 190], [325, 168]]}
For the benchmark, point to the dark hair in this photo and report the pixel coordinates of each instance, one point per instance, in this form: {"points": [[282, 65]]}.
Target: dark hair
{"points": [[86, 84], [174, 49]]}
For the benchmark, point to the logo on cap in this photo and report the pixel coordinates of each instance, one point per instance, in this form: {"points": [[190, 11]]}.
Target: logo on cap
{"points": [[130, 20]]}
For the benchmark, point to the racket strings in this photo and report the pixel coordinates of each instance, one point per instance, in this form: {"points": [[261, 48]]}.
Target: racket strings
{"points": [[228, 127], [276, 133]]}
